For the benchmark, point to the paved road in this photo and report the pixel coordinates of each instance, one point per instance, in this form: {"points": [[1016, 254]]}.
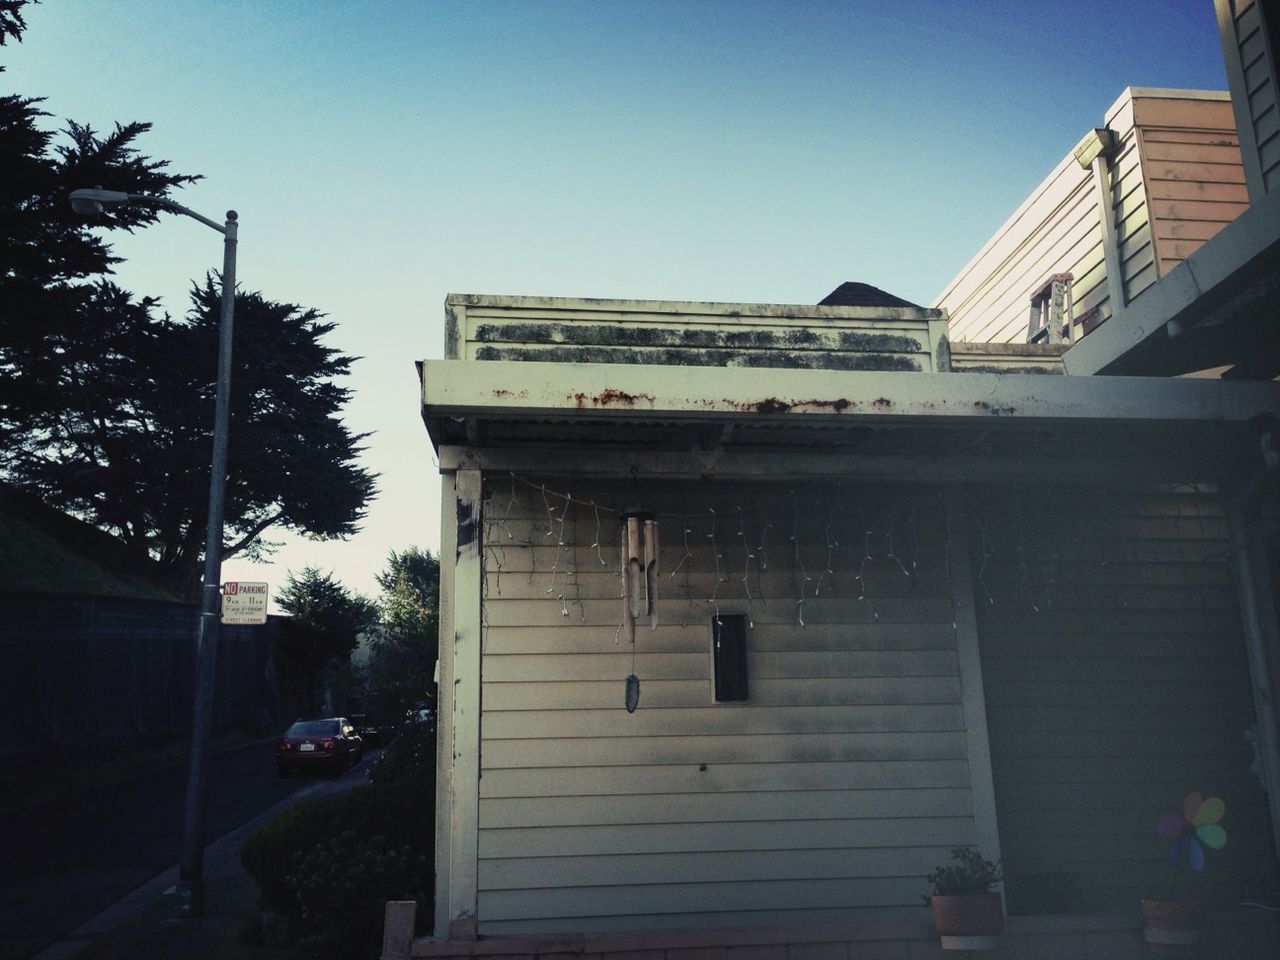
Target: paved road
{"points": [[64, 862]]}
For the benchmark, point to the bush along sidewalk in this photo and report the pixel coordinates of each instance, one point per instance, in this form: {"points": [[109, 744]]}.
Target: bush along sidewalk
{"points": [[329, 865]]}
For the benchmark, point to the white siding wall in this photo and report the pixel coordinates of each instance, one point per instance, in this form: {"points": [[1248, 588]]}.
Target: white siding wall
{"points": [[1250, 57], [1056, 230], [1131, 211], [1116, 683], [828, 795]]}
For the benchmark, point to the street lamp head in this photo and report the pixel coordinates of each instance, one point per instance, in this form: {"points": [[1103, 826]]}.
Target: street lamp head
{"points": [[89, 201]]}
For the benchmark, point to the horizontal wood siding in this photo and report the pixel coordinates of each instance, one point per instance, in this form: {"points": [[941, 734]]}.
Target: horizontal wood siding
{"points": [[1255, 83], [1194, 177], [1131, 211], [826, 796], [1056, 230], [1116, 683], [1176, 179]]}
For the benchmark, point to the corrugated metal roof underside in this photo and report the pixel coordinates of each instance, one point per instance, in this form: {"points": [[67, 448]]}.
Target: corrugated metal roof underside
{"points": [[1206, 453]]}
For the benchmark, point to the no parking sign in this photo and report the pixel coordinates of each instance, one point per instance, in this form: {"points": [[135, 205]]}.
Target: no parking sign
{"points": [[244, 602]]}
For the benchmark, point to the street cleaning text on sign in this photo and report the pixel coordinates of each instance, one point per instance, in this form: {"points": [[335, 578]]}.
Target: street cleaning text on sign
{"points": [[244, 602]]}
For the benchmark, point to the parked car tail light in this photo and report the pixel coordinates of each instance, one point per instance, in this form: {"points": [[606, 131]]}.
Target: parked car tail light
{"points": [[282, 746], [329, 744]]}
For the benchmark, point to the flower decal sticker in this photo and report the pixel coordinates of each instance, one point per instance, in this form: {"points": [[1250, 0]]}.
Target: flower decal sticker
{"points": [[1195, 828]]}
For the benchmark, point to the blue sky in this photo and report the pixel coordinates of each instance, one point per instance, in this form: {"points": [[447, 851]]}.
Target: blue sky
{"points": [[382, 155]]}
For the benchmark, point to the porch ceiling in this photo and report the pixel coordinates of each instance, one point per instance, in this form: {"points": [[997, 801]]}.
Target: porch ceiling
{"points": [[934, 426]]}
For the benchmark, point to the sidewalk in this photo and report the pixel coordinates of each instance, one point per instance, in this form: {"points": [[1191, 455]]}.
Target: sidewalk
{"points": [[144, 925]]}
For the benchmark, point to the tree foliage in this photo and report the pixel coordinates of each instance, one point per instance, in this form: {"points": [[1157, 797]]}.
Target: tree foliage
{"points": [[401, 669], [131, 452], [106, 403], [47, 251], [324, 626], [11, 22]]}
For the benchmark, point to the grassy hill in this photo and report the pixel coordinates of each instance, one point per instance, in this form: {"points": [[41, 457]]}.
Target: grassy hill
{"points": [[45, 551]]}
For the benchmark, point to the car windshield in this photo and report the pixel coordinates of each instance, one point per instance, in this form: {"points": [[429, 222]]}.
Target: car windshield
{"points": [[313, 728]]}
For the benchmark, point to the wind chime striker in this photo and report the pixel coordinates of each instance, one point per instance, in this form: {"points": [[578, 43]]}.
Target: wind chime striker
{"points": [[639, 585]]}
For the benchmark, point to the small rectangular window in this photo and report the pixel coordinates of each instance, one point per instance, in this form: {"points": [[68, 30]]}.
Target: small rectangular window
{"points": [[729, 648]]}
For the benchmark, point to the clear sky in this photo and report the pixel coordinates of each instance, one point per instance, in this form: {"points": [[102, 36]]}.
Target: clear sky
{"points": [[384, 154]]}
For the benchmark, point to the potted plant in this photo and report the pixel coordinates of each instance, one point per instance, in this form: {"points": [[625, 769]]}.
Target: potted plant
{"points": [[1176, 927], [967, 911]]}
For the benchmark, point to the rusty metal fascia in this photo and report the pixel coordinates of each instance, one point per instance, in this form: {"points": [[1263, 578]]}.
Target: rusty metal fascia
{"points": [[511, 389]]}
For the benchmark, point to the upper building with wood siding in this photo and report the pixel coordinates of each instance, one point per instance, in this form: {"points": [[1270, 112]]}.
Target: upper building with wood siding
{"points": [[1172, 180]]}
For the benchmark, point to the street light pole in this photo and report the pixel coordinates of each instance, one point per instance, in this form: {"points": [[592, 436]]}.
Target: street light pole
{"points": [[191, 870]]}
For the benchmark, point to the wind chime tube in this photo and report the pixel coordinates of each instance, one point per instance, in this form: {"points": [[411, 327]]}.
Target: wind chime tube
{"points": [[628, 620], [651, 570], [635, 570]]}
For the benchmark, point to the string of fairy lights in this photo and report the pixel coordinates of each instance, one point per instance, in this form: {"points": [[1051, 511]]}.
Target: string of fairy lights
{"points": [[897, 535], [559, 515], [833, 524]]}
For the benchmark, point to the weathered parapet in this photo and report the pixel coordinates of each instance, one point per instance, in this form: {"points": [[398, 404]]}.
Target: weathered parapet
{"points": [[969, 357], [669, 333]]}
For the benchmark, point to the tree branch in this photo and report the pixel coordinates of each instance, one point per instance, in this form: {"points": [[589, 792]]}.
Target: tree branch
{"points": [[249, 537]]}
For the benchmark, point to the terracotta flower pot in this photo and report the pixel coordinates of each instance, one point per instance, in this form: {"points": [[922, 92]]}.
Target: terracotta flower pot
{"points": [[1173, 927], [968, 921]]}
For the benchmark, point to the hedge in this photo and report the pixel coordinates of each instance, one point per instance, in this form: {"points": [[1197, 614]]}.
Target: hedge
{"points": [[398, 816]]}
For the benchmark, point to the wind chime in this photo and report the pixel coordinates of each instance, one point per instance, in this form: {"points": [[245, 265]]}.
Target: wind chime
{"points": [[639, 585]]}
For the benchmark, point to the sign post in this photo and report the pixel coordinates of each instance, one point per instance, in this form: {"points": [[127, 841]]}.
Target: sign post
{"points": [[244, 602]]}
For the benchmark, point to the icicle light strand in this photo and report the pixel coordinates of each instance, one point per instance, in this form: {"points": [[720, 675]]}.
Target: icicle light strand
{"points": [[560, 518]]}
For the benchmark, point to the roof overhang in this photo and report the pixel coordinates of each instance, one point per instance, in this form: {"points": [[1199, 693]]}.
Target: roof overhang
{"points": [[1017, 424], [1219, 307]]}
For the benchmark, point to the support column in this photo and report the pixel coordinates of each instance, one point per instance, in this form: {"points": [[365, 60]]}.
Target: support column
{"points": [[458, 738], [1262, 643], [973, 699]]}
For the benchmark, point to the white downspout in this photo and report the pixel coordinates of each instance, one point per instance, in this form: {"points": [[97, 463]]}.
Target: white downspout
{"points": [[1096, 151]]}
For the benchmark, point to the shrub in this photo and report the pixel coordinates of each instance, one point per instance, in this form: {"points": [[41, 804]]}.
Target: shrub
{"points": [[410, 757], [341, 887], [402, 814]]}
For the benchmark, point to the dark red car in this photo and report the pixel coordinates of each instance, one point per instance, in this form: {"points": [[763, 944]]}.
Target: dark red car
{"points": [[330, 745]]}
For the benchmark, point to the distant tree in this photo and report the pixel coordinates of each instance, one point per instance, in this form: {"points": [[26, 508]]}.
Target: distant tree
{"points": [[401, 669], [324, 626]]}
